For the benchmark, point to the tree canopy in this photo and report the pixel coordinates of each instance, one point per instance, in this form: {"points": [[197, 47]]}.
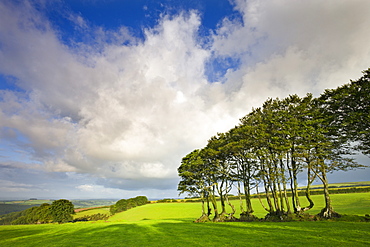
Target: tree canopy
{"points": [[61, 211]]}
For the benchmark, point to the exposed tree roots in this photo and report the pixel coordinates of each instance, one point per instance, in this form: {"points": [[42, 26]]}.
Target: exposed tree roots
{"points": [[328, 214], [202, 219]]}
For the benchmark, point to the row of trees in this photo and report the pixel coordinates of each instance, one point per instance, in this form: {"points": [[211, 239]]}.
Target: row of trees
{"points": [[125, 204], [274, 145], [60, 211]]}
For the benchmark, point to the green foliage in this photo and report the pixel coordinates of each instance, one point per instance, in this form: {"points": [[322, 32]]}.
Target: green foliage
{"points": [[126, 204], [166, 200], [348, 111], [61, 211], [31, 215]]}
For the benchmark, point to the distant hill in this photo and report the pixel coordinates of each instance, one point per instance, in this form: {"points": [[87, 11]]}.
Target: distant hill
{"points": [[90, 203], [10, 208]]}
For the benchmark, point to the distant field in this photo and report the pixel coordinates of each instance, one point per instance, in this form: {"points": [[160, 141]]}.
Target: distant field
{"points": [[332, 185], [342, 185], [27, 202], [170, 224]]}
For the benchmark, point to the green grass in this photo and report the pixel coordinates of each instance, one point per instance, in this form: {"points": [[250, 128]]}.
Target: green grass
{"points": [[159, 211], [184, 233], [170, 224]]}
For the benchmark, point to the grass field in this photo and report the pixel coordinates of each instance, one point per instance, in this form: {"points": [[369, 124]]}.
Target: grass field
{"points": [[170, 224], [184, 233]]}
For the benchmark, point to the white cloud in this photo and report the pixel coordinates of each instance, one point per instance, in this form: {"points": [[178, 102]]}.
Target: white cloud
{"points": [[128, 113], [85, 187], [294, 47]]}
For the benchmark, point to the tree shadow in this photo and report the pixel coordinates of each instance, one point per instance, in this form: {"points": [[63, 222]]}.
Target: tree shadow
{"points": [[182, 232]]}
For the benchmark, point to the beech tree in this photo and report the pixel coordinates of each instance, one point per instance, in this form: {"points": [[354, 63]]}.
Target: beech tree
{"points": [[241, 153], [217, 157], [194, 180], [276, 143]]}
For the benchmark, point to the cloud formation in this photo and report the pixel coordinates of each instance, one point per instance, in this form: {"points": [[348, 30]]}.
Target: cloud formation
{"points": [[126, 110]]}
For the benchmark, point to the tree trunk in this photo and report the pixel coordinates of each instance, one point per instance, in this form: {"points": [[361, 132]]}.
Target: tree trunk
{"points": [[231, 215], [284, 187], [204, 217], [259, 198], [309, 182], [249, 208], [203, 206], [214, 204], [209, 211], [222, 199], [327, 212], [271, 208], [240, 198], [295, 186], [291, 182]]}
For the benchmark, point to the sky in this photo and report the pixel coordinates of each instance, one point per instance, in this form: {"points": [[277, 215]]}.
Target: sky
{"points": [[102, 98]]}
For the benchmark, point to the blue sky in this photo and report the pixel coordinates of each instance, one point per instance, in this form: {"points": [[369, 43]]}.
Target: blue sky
{"points": [[102, 99]]}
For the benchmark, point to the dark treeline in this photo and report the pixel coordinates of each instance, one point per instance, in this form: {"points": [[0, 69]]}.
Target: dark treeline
{"points": [[93, 217], [10, 208], [125, 204], [276, 143], [59, 211], [33, 215]]}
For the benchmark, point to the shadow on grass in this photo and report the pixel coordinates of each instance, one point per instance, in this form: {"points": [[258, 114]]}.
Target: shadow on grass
{"points": [[184, 233]]}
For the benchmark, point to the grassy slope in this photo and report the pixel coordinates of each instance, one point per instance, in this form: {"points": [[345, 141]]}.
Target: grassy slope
{"points": [[170, 224], [354, 203]]}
